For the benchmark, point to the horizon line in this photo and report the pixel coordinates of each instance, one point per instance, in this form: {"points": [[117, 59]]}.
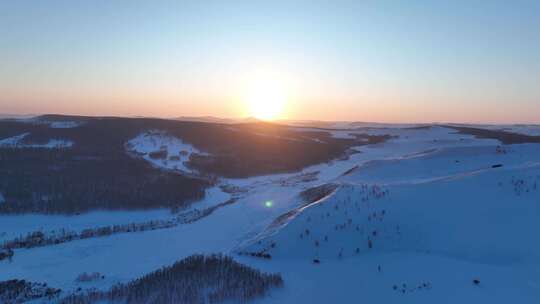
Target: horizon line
{"points": [[4, 116]]}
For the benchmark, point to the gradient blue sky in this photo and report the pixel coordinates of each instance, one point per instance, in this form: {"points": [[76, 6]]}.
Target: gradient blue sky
{"points": [[392, 61]]}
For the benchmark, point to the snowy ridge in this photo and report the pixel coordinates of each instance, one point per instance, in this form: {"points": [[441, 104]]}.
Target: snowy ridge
{"points": [[443, 163], [307, 224], [283, 220], [358, 219], [417, 175]]}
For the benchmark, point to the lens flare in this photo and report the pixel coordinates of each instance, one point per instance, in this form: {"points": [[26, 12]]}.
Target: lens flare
{"points": [[268, 204]]}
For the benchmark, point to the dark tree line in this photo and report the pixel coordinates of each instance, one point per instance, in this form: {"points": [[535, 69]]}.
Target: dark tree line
{"points": [[40, 239], [314, 194], [196, 279], [21, 291]]}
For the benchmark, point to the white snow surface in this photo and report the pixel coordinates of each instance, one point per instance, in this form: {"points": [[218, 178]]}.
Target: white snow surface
{"points": [[12, 226], [12, 141], [434, 225], [64, 124], [16, 142], [177, 152]]}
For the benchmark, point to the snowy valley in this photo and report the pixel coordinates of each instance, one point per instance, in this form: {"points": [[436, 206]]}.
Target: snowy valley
{"points": [[405, 214]]}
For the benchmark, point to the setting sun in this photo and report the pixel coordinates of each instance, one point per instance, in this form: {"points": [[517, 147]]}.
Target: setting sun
{"points": [[266, 99]]}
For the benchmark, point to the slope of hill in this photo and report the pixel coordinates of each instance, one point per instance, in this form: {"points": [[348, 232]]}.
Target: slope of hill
{"points": [[418, 230]]}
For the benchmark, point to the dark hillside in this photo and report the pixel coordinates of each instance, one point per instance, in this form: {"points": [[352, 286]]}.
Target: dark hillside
{"points": [[504, 137], [98, 173], [62, 181]]}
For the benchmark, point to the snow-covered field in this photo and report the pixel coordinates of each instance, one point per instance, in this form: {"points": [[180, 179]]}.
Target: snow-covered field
{"points": [[163, 150], [14, 226], [414, 220], [16, 142]]}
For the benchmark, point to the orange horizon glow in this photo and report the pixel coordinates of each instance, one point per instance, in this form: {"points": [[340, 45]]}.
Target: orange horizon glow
{"points": [[364, 61], [294, 109], [253, 94]]}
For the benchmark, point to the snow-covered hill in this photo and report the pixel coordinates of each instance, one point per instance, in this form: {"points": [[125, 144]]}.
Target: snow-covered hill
{"points": [[484, 217], [429, 216]]}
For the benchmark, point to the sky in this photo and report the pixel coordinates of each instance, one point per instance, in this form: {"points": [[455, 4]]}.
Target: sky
{"points": [[385, 61]]}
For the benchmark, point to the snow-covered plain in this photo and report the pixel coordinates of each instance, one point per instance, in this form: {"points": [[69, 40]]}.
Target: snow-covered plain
{"points": [[414, 220]]}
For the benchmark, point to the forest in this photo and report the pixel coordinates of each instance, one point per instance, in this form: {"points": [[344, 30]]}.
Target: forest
{"points": [[197, 279], [97, 172]]}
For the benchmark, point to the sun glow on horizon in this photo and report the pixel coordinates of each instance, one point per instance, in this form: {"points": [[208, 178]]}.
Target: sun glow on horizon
{"points": [[266, 98]]}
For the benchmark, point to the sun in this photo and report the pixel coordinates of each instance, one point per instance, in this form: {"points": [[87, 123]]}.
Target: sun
{"points": [[266, 99]]}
